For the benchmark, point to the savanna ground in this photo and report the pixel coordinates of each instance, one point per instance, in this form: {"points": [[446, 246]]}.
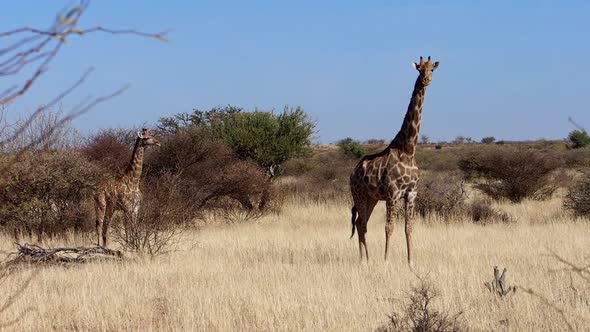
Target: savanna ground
{"points": [[299, 271]]}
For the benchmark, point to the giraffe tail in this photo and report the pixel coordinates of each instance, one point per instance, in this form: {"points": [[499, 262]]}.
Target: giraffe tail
{"points": [[353, 220]]}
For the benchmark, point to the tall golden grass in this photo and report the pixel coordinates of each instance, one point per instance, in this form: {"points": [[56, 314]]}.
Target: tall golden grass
{"points": [[299, 271]]}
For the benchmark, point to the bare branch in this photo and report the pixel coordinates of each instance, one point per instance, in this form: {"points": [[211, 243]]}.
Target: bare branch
{"points": [[582, 271], [42, 45], [545, 301], [12, 298]]}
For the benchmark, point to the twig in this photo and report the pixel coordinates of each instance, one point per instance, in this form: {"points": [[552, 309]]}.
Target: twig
{"points": [[14, 296], [38, 46]]}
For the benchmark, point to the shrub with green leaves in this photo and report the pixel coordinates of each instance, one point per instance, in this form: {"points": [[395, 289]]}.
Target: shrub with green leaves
{"points": [[351, 147], [267, 138], [488, 140], [579, 139]]}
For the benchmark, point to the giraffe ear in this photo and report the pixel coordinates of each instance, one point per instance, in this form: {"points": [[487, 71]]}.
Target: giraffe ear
{"points": [[415, 65], [435, 65], [139, 134]]}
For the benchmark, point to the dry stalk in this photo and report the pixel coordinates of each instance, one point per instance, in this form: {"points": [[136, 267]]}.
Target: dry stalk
{"points": [[498, 285]]}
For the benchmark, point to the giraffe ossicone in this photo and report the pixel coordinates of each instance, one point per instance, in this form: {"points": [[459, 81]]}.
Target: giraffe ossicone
{"points": [[392, 174]]}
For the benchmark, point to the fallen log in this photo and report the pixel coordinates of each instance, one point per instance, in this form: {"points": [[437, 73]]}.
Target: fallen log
{"points": [[33, 254]]}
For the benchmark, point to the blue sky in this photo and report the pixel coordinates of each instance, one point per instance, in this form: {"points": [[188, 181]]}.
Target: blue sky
{"points": [[511, 69]]}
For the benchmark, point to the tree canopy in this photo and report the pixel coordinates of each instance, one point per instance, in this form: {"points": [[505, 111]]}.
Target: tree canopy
{"points": [[268, 138]]}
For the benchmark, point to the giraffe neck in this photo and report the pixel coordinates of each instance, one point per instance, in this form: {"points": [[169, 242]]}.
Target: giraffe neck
{"points": [[407, 137], [133, 170]]}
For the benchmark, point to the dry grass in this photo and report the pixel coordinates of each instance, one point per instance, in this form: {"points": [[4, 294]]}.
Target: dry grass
{"points": [[300, 272]]}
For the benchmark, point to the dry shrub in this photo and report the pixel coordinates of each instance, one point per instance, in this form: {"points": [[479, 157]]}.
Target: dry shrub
{"points": [[210, 175], [440, 194], [110, 148], [418, 314], [44, 193], [577, 158], [44, 130], [483, 213], [326, 178], [443, 160], [512, 173], [231, 211], [163, 216], [577, 199]]}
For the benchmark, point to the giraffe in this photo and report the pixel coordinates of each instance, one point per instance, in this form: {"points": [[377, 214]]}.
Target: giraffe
{"points": [[122, 193], [392, 174]]}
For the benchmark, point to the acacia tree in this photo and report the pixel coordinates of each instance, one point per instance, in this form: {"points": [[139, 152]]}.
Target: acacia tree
{"points": [[267, 138]]}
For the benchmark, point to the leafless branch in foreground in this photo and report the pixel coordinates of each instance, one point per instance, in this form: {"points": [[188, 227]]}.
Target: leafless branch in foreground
{"points": [[582, 271], [13, 297], [34, 49], [28, 53], [548, 303]]}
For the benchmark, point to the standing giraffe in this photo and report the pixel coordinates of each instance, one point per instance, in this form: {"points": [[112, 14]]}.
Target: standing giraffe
{"points": [[392, 174], [122, 193]]}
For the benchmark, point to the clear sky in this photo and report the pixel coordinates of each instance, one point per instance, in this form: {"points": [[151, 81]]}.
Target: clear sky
{"points": [[511, 69]]}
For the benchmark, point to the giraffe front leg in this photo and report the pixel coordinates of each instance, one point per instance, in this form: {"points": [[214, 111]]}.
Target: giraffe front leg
{"points": [[409, 216], [390, 207], [99, 222], [99, 209], [131, 209], [107, 221]]}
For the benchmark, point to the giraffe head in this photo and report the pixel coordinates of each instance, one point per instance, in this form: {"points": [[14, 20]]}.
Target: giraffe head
{"points": [[147, 139], [425, 68]]}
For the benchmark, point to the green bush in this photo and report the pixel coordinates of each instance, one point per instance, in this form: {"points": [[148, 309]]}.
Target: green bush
{"points": [[267, 138], [43, 193], [488, 140], [351, 147], [579, 139]]}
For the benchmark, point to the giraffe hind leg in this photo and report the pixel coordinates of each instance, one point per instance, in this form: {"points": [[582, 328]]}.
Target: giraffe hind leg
{"points": [[361, 225]]}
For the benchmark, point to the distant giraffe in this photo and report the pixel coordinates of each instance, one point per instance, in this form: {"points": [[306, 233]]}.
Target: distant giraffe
{"points": [[392, 174], [122, 193]]}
